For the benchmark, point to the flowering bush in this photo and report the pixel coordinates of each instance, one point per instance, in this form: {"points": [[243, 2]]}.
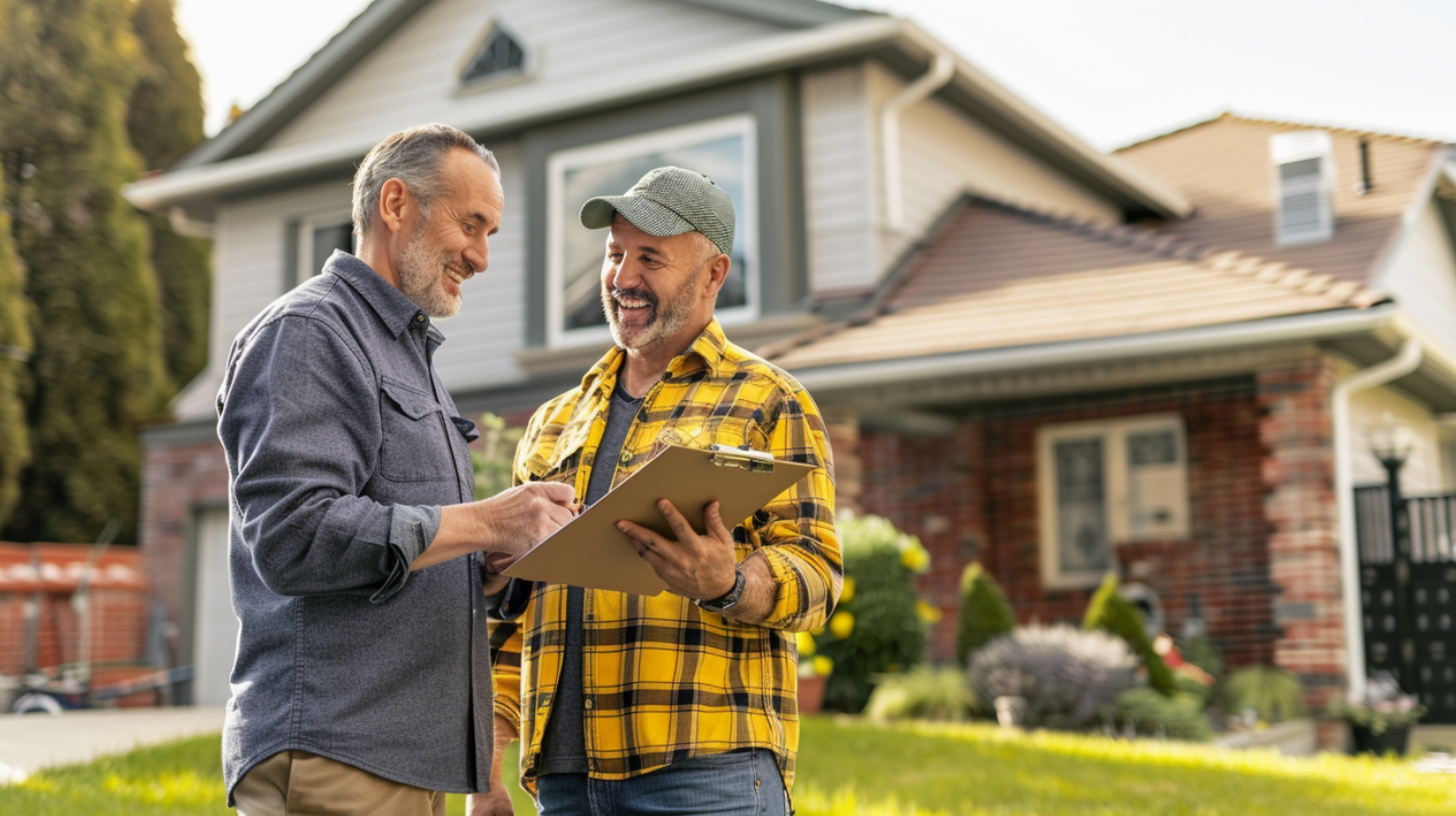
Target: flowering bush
{"points": [[1066, 676], [1383, 706], [879, 624]]}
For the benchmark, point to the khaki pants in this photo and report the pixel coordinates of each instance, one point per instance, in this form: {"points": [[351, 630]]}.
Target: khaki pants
{"points": [[297, 783]]}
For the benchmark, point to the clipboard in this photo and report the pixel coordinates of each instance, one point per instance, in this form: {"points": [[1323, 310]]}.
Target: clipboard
{"points": [[591, 552]]}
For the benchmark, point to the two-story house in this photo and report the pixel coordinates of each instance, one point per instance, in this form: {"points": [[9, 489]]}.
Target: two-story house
{"points": [[1057, 361]]}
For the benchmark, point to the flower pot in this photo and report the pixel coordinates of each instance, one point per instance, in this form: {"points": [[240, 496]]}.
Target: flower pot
{"points": [[1393, 740], [811, 694]]}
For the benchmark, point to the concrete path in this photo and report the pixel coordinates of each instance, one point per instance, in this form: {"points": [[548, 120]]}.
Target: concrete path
{"points": [[33, 741]]}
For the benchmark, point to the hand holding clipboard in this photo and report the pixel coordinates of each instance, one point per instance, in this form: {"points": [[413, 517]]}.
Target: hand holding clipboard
{"points": [[591, 552]]}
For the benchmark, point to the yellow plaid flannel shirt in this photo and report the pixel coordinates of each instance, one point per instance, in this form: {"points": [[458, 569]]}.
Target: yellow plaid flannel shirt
{"points": [[662, 679]]}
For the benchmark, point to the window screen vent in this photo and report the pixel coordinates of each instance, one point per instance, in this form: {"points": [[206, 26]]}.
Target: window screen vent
{"points": [[500, 55], [1304, 179]]}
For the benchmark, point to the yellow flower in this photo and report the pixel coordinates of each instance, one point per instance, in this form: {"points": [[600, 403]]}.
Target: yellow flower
{"points": [[847, 593], [927, 612], [806, 644], [841, 624], [915, 559], [817, 631], [823, 665]]}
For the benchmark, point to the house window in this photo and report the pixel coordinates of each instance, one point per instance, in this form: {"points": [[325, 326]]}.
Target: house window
{"points": [[1304, 180], [1106, 483], [723, 150], [315, 239], [499, 55]]}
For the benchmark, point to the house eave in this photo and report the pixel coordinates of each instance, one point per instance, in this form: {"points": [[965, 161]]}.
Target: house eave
{"points": [[1324, 326], [213, 171]]}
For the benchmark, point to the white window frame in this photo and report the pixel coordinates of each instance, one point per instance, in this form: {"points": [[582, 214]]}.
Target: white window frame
{"points": [[309, 224], [1116, 472], [746, 215], [1288, 148]]}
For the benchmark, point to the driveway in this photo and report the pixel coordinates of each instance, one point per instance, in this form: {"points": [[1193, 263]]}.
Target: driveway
{"points": [[33, 741]]}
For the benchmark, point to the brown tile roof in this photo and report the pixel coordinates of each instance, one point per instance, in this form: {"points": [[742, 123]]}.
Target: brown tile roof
{"points": [[995, 276], [1223, 167]]}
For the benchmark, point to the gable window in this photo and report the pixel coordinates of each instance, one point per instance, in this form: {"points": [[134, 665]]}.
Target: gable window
{"points": [[1304, 175], [722, 149], [499, 55], [1106, 483]]}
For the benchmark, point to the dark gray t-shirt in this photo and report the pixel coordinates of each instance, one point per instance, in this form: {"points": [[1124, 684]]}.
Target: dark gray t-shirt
{"points": [[563, 749]]}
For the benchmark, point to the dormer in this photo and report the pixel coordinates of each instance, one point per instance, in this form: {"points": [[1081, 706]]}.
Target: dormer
{"points": [[1304, 183]]}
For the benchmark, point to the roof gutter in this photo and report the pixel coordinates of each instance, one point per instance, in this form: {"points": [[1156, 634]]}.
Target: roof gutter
{"points": [[1404, 362], [942, 70], [1318, 326]]}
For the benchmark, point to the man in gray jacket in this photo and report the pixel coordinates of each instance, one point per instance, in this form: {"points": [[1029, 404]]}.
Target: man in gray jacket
{"points": [[357, 552]]}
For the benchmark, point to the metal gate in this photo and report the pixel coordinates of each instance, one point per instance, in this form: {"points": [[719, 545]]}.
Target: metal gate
{"points": [[1408, 594]]}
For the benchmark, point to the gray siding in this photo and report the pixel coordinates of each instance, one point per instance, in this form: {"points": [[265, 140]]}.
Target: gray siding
{"points": [[570, 44]]}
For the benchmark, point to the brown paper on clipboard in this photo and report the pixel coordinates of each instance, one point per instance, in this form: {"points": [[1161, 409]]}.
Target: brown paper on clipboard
{"points": [[591, 552]]}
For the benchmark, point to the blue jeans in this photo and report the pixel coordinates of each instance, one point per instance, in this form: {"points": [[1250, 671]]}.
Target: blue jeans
{"points": [[740, 783]]}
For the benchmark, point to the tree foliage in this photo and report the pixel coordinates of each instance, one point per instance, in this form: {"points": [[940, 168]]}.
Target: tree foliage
{"points": [[67, 69], [14, 350], [164, 122]]}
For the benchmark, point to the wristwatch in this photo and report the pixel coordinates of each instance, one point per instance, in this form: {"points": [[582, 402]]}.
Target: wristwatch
{"points": [[726, 602]]}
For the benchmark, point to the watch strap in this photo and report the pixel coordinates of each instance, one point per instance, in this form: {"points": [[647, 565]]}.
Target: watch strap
{"points": [[725, 602]]}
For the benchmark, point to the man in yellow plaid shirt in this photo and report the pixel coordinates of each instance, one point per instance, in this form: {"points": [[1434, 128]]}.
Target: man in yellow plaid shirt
{"points": [[683, 702]]}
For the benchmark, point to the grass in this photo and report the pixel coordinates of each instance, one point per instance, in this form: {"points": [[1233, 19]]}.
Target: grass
{"points": [[850, 767]]}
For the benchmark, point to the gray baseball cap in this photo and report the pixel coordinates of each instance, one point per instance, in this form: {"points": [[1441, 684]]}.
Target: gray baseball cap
{"points": [[669, 201]]}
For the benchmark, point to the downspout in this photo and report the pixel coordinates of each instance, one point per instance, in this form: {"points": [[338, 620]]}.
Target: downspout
{"points": [[940, 73], [1404, 362]]}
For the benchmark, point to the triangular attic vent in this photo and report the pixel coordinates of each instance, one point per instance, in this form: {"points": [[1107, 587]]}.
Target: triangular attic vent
{"points": [[499, 55]]}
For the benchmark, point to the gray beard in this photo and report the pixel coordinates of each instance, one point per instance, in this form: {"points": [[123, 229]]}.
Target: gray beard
{"points": [[667, 318], [421, 277]]}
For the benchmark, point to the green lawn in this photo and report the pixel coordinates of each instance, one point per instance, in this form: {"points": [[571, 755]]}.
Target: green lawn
{"points": [[851, 767]]}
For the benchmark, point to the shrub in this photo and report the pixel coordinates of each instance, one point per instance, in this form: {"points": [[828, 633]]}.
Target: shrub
{"points": [[922, 693], [1272, 692], [1067, 677], [1150, 713], [985, 615], [1112, 613], [878, 627]]}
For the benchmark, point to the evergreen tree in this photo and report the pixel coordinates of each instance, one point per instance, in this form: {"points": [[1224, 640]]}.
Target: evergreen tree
{"points": [[984, 615], [164, 122], [14, 351], [1116, 615], [67, 69]]}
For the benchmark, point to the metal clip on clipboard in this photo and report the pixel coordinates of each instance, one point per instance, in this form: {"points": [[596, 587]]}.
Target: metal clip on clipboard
{"points": [[744, 458]]}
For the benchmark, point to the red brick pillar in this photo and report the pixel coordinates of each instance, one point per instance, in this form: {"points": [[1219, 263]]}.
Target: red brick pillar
{"points": [[842, 426], [1304, 550]]}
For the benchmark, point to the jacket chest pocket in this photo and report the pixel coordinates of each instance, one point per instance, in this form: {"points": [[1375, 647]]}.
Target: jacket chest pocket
{"points": [[414, 447]]}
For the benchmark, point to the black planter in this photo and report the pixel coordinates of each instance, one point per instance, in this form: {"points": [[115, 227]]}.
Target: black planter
{"points": [[1393, 740]]}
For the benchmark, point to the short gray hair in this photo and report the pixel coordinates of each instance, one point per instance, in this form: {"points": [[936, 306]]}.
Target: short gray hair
{"points": [[416, 157]]}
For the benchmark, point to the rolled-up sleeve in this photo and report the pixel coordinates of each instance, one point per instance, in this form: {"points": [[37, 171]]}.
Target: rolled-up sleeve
{"points": [[299, 420]]}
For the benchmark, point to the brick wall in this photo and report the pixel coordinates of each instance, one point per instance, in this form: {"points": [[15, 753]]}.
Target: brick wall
{"points": [[177, 478], [974, 495]]}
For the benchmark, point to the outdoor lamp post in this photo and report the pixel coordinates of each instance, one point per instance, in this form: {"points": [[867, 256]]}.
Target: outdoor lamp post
{"points": [[1392, 443]]}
